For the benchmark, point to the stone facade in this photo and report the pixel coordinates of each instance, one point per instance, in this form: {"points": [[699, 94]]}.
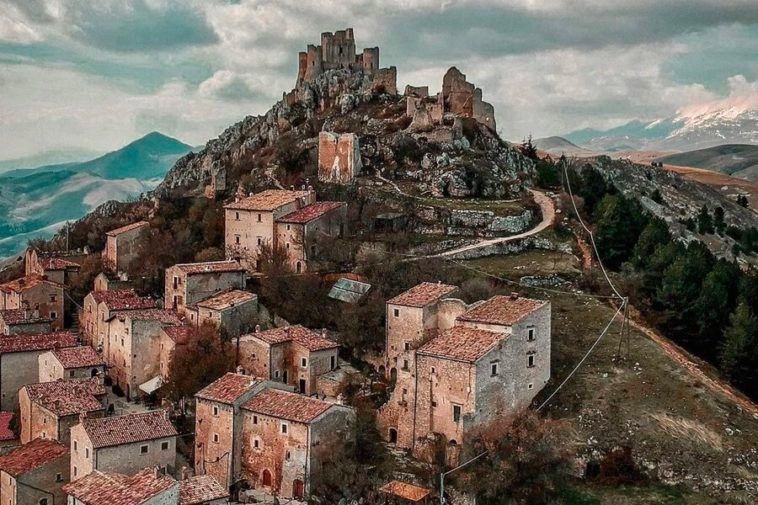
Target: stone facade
{"points": [[45, 464], [98, 309], [301, 232], [36, 293], [121, 245], [58, 364], [233, 312], [190, 283], [23, 322], [339, 157], [60, 267]]}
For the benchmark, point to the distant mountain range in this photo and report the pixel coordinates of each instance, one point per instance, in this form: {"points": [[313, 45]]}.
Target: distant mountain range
{"points": [[559, 145], [36, 202], [737, 160], [697, 127]]}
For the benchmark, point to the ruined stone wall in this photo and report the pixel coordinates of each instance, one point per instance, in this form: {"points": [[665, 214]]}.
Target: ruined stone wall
{"points": [[464, 99], [214, 438], [370, 60], [291, 236], [44, 297], [416, 91], [447, 312], [385, 81], [339, 157], [255, 357], [121, 250]]}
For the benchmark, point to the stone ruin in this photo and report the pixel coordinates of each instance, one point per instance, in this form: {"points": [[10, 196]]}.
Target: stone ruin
{"points": [[337, 52], [458, 96], [339, 157]]}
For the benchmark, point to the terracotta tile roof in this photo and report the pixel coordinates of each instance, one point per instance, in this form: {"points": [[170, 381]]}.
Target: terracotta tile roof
{"points": [[310, 339], [28, 282], [164, 316], [310, 212], [128, 227], [285, 405], [100, 488], [37, 342], [181, 335], [228, 388], [210, 267], [268, 200], [122, 299], [504, 310], [405, 491], [78, 357], [67, 397], [462, 344], [37, 453], [227, 299], [200, 489], [5, 427], [57, 263], [128, 429], [21, 316], [423, 294]]}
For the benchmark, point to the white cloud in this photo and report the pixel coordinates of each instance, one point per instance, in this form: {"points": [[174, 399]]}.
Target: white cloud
{"points": [[13, 28]]}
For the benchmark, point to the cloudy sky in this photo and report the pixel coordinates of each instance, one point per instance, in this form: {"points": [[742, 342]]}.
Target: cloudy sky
{"points": [[96, 74]]}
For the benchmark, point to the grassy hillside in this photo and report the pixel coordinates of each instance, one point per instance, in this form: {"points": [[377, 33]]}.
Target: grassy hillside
{"points": [[738, 160]]}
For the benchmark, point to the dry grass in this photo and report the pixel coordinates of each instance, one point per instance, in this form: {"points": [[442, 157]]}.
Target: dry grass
{"points": [[688, 430]]}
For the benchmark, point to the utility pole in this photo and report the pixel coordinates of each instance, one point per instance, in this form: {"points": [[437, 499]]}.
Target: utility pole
{"points": [[443, 474]]}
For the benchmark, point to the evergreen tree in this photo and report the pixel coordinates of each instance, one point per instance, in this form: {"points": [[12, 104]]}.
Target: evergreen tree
{"points": [[655, 234], [739, 354], [716, 301], [593, 189], [718, 220], [704, 221], [528, 148], [619, 223]]}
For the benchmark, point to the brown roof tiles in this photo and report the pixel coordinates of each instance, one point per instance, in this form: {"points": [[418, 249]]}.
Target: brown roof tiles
{"points": [[311, 340], [57, 263], [122, 299], [37, 342], [22, 316], [268, 200], [200, 489], [228, 388], [128, 429], [78, 357], [37, 453], [163, 316], [67, 397], [100, 488], [505, 310], [128, 227], [210, 267], [462, 344], [423, 294], [28, 282], [227, 299], [285, 405], [310, 212], [405, 491], [181, 335]]}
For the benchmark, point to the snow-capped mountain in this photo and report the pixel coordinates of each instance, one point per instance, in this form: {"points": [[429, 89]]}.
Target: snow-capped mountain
{"points": [[733, 120]]}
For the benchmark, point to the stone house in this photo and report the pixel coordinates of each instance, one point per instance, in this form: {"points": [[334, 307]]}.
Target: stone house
{"points": [[149, 486], [50, 409], [123, 444], [132, 349], [189, 283], [19, 362], [250, 222], [172, 337], [339, 157], [285, 435], [34, 474], [218, 426], [23, 321], [403, 492], [56, 267], [36, 293], [299, 232], [100, 306], [121, 245], [293, 355], [80, 362], [476, 362], [233, 311], [110, 281], [202, 490]]}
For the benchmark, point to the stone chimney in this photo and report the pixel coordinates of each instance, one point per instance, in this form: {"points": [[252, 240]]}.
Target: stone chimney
{"points": [[156, 471], [184, 475], [257, 328], [514, 295], [240, 370], [323, 332]]}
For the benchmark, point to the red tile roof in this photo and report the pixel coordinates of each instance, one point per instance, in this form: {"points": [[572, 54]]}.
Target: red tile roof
{"points": [[285, 405], [100, 488], [181, 335], [67, 397], [128, 227], [462, 344], [122, 299], [161, 315], [37, 453], [200, 489], [28, 282], [78, 357], [268, 200], [310, 212], [405, 491], [505, 310], [228, 388], [423, 294], [227, 299], [5, 427], [311, 340], [128, 429], [37, 342], [57, 263], [210, 267], [21, 316]]}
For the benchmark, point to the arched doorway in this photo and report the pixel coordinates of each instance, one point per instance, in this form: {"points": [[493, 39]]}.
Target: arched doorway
{"points": [[298, 267], [298, 489], [393, 375], [393, 436], [266, 478]]}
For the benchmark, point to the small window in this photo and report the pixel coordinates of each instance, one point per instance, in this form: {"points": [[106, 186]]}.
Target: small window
{"points": [[256, 443], [143, 449], [288, 456], [255, 419], [58, 477], [405, 364], [304, 362], [531, 386], [456, 413], [494, 369], [332, 362], [215, 438], [86, 452], [53, 298], [433, 370], [530, 361], [237, 239], [164, 446], [287, 245], [260, 241], [276, 374], [284, 428], [288, 227], [71, 373], [76, 471], [530, 334], [396, 312], [43, 501], [407, 346], [434, 404], [259, 218], [237, 216], [53, 315], [76, 446], [215, 410]]}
